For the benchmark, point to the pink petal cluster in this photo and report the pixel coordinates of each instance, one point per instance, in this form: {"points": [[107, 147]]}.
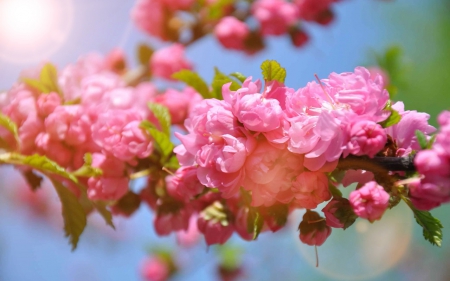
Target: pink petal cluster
{"points": [[275, 16], [155, 269], [433, 164], [315, 10], [166, 61], [370, 201], [231, 33]]}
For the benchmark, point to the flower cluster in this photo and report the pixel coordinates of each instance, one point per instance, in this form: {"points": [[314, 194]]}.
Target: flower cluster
{"points": [[89, 109], [229, 21], [433, 164], [275, 146]]}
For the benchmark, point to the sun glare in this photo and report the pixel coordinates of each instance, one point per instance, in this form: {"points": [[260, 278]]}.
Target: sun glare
{"points": [[32, 29]]}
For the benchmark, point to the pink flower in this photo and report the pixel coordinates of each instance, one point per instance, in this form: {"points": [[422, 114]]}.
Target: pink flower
{"points": [[313, 229], [430, 192], [47, 103], [166, 61], [241, 224], [310, 10], [69, 124], [72, 76], [155, 269], [339, 213], [171, 218], [310, 189], [215, 232], [231, 33], [404, 131], [179, 103], [269, 172], [365, 138], [370, 201], [111, 166], [275, 16], [329, 211], [117, 132], [299, 38], [115, 61], [189, 237], [149, 16], [28, 132], [431, 162], [185, 182], [19, 103], [107, 188], [55, 150]]}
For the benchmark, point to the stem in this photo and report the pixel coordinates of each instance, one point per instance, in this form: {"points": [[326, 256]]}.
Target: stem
{"points": [[378, 164]]}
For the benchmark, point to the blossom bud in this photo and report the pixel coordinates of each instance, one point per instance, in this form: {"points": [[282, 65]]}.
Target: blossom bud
{"points": [[231, 33], [339, 213], [167, 61], [213, 223], [370, 201], [366, 138], [313, 229]]}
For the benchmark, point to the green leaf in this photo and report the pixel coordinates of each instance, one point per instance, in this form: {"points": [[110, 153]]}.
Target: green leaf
{"points": [[162, 141], [87, 170], [272, 71], [47, 82], [255, 222], [219, 80], [37, 162], [35, 84], [9, 125], [393, 118], [194, 80], [144, 53], [173, 163], [422, 139], [49, 78], [217, 8], [72, 212], [239, 76], [230, 256], [105, 213], [334, 191], [162, 114], [432, 227]]}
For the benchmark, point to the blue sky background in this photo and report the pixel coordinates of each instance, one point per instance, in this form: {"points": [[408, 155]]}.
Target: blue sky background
{"points": [[31, 249]]}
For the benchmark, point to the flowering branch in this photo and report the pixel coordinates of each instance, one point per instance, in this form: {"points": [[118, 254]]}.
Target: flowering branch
{"points": [[378, 164]]}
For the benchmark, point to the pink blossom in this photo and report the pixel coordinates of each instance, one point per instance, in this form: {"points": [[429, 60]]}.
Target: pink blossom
{"points": [[431, 162], [176, 218], [241, 224], [117, 132], [329, 211], [19, 103], [155, 269], [55, 150], [269, 172], [430, 191], [404, 131], [111, 166], [444, 118], [178, 4], [149, 16], [166, 61], [28, 132], [275, 16], [71, 77], [370, 201], [299, 38], [189, 237], [310, 189], [310, 10], [115, 61], [365, 138], [376, 71], [185, 182], [107, 188], [69, 124], [231, 33], [313, 229], [47, 103], [215, 232], [179, 103]]}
